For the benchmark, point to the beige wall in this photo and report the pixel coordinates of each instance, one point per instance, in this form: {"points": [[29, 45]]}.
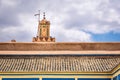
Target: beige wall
{"points": [[54, 46]]}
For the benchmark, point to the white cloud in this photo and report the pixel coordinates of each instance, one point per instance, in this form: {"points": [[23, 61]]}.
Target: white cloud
{"points": [[97, 29], [101, 16], [9, 3], [76, 35], [72, 35], [112, 16]]}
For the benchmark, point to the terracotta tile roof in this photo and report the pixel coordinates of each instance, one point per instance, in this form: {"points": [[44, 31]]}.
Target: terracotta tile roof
{"points": [[30, 63]]}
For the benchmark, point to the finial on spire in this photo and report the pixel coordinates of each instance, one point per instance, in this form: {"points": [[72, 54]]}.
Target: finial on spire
{"points": [[43, 15]]}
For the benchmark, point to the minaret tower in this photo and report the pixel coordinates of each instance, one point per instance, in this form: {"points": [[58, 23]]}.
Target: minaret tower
{"points": [[43, 34], [44, 28]]}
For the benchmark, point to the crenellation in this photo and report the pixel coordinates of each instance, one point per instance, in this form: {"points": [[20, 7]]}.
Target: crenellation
{"points": [[43, 39]]}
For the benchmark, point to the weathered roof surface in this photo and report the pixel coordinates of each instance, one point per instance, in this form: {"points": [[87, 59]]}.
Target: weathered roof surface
{"points": [[30, 63]]}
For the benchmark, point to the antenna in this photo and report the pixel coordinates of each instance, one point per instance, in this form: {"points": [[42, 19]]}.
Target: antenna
{"points": [[38, 21], [38, 15]]}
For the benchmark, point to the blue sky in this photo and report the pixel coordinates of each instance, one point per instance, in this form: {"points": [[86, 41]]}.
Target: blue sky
{"points": [[71, 20]]}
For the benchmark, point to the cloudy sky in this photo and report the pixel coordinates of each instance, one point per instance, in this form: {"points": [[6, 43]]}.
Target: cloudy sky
{"points": [[71, 20]]}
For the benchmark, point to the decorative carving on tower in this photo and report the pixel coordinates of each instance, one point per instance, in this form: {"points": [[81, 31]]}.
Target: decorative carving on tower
{"points": [[43, 34]]}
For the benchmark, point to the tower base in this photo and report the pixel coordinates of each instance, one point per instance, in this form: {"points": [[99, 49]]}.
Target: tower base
{"points": [[43, 39]]}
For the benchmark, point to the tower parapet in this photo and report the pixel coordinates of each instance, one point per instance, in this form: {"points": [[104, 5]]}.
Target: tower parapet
{"points": [[43, 34]]}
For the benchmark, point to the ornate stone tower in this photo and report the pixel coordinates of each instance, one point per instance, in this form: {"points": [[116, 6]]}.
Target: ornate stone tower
{"points": [[43, 34]]}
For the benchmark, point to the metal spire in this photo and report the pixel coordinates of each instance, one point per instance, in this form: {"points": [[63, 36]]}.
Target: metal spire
{"points": [[44, 15]]}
